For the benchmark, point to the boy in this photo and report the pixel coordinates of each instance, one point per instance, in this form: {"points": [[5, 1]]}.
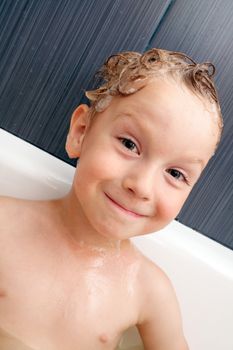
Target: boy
{"points": [[70, 277]]}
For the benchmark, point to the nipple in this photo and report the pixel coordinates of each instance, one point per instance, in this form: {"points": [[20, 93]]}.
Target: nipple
{"points": [[2, 293], [103, 338]]}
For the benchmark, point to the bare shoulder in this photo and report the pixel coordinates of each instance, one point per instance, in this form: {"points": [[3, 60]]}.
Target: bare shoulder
{"points": [[15, 213], [160, 323], [9, 202], [10, 205], [10, 215], [156, 284]]}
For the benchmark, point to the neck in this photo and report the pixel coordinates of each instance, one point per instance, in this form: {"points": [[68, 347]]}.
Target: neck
{"points": [[78, 229]]}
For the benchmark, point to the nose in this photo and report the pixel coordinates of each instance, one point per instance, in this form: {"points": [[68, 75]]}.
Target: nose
{"points": [[140, 183]]}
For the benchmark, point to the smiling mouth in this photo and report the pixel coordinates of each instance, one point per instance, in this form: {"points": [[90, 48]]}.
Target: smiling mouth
{"points": [[126, 211]]}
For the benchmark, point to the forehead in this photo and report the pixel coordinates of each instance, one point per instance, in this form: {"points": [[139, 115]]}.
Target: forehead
{"points": [[163, 99], [158, 90], [168, 108]]}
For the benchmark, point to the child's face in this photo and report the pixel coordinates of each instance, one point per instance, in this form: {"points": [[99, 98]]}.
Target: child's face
{"points": [[140, 158]]}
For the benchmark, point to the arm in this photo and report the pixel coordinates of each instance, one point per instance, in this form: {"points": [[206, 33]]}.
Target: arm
{"points": [[160, 325]]}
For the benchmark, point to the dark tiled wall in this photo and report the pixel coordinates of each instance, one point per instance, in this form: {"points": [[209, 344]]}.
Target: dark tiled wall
{"points": [[49, 51], [204, 29]]}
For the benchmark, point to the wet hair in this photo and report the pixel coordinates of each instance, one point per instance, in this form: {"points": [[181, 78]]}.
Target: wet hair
{"points": [[127, 72]]}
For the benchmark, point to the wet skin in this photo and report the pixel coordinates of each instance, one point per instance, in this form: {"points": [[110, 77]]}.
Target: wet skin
{"points": [[69, 276]]}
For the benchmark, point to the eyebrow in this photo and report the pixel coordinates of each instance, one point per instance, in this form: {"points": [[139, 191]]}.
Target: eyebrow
{"points": [[137, 120], [134, 118], [191, 160]]}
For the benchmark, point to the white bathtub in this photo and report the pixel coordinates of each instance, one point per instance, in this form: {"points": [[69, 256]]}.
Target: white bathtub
{"points": [[201, 270]]}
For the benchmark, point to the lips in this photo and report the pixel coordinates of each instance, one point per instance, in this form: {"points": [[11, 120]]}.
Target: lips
{"points": [[126, 211]]}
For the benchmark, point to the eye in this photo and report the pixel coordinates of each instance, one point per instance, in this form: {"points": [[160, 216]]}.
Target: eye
{"points": [[177, 175], [129, 144]]}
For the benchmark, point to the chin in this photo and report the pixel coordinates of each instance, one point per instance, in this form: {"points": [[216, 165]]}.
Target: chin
{"points": [[114, 234]]}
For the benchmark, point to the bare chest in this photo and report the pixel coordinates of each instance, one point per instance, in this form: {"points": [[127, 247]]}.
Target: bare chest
{"points": [[50, 301]]}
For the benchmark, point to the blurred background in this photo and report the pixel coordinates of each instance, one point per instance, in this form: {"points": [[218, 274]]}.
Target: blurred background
{"points": [[50, 50]]}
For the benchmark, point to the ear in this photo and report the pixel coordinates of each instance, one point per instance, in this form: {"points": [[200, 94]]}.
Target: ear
{"points": [[79, 124]]}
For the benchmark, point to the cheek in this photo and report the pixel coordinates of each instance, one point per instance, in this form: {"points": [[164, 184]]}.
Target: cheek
{"points": [[95, 166], [170, 206]]}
